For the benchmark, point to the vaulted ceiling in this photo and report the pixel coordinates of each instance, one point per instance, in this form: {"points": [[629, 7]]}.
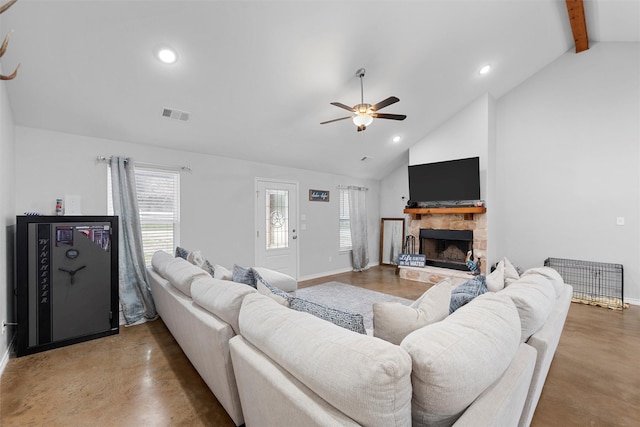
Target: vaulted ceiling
{"points": [[257, 77]]}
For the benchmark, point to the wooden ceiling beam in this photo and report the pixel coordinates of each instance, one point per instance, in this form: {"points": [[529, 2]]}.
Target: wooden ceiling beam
{"points": [[578, 24]]}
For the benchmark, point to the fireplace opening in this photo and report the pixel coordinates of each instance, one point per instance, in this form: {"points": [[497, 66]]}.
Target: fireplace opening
{"points": [[446, 248]]}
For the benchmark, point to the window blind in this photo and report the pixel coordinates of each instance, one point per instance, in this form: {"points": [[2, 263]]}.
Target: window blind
{"points": [[345, 221], [158, 194]]}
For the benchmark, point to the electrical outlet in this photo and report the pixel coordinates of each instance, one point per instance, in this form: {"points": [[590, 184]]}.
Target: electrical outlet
{"points": [[330, 258], [620, 220]]}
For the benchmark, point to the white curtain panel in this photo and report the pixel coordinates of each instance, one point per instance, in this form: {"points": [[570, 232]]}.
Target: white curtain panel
{"points": [[358, 219], [135, 293]]}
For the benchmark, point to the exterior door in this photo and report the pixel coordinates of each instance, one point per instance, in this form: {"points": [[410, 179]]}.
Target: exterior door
{"points": [[276, 226]]}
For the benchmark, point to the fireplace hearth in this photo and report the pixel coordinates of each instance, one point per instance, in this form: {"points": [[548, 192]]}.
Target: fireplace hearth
{"points": [[446, 248]]}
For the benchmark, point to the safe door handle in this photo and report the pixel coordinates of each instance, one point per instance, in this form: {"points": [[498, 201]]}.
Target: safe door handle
{"points": [[72, 273]]}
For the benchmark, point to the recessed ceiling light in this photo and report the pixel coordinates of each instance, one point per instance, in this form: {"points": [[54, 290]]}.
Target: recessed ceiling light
{"points": [[166, 55], [396, 139], [485, 69]]}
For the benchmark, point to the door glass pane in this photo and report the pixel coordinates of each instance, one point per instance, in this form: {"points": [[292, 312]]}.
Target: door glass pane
{"points": [[277, 216]]}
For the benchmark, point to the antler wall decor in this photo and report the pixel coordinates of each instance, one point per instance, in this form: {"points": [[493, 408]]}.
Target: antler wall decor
{"points": [[5, 43]]}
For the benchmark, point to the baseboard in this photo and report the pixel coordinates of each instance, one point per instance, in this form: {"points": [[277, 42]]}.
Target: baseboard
{"points": [[632, 301], [6, 357]]}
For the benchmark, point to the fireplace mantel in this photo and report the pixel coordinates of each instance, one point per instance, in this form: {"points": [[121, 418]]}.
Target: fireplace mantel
{"points": [[468, 211]]}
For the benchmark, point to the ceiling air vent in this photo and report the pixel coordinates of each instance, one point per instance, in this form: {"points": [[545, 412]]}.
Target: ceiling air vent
{"points": [[172, 113]]}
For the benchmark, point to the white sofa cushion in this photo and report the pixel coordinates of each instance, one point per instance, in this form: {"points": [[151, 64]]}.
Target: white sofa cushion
{"points": [[181, 273], [220, 297], [495, 280], [280, 280], [510, 273], [222, 273], [393, 321], [159, 262], [552, 276], [534, 298], [456, 359], [365, 378]]}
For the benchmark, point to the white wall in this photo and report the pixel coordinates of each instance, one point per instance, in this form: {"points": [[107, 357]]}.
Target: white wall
{"points": [[217, 197], [568, 161], [394, 192], [7, 222]]}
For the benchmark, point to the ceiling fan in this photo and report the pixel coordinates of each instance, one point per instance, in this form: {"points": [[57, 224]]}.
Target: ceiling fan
{"points": [[365, 113]]}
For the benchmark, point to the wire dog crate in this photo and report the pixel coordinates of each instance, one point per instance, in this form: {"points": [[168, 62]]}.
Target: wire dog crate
{"points": [[594, 283]]}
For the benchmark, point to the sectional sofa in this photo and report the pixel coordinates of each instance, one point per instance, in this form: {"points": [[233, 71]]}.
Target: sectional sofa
{"points": [[269, 365]]}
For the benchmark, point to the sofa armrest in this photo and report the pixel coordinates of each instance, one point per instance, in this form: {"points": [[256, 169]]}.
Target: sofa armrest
{"points": [[272, 397], [545, 341], [502, 403], [281, 281]]}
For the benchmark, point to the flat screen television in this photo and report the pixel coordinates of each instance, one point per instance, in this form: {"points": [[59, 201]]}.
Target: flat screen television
{"points": [[452, 182]]}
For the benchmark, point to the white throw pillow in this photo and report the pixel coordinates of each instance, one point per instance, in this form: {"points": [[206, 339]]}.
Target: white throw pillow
{"points": [[393, 321], [495, 280], [221, 273], [510, 273]]}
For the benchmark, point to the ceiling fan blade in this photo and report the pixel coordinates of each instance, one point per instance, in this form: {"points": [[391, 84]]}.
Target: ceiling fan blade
{"points": [[336, 120], [389, 116], [341, 105], [385, 103]]}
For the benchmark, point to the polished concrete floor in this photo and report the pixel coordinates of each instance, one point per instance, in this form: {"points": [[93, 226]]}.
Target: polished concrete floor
{"points": [[140, 377]]}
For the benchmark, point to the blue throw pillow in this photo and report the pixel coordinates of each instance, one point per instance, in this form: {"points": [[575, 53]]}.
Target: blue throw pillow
{"points": [[352, 321], [467, 292], [243, 275], [182, 253]]}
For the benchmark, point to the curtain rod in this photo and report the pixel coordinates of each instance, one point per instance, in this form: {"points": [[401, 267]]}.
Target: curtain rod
{"points": [[352, 187], [159, 165]]}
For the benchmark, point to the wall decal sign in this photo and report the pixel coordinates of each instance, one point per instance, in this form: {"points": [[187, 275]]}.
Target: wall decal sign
{"points": [[318, 195]]}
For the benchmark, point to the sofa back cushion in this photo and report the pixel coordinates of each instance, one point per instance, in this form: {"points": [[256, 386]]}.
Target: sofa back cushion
{"points": [[159, 262], [181, 273], [367, 379], [534, 297], [456, 359], [220, 297], [554, 278]]}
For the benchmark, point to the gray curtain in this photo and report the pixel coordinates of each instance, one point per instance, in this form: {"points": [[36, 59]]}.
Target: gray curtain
{"points": [[135, 294], [358, 220]]}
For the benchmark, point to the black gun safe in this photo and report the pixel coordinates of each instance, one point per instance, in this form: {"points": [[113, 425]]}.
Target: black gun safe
{"points": [[67, 280]]}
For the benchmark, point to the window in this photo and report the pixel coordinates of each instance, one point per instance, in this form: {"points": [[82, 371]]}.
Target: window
{"points": [[345, 221], [277, 215], [159, 204]]}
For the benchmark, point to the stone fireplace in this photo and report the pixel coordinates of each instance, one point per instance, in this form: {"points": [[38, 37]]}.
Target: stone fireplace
{"points": [[471, 222], [446, 248]]}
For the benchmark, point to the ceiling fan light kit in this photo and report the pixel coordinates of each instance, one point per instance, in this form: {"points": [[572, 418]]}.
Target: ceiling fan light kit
{"points": [[365, 113]]}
